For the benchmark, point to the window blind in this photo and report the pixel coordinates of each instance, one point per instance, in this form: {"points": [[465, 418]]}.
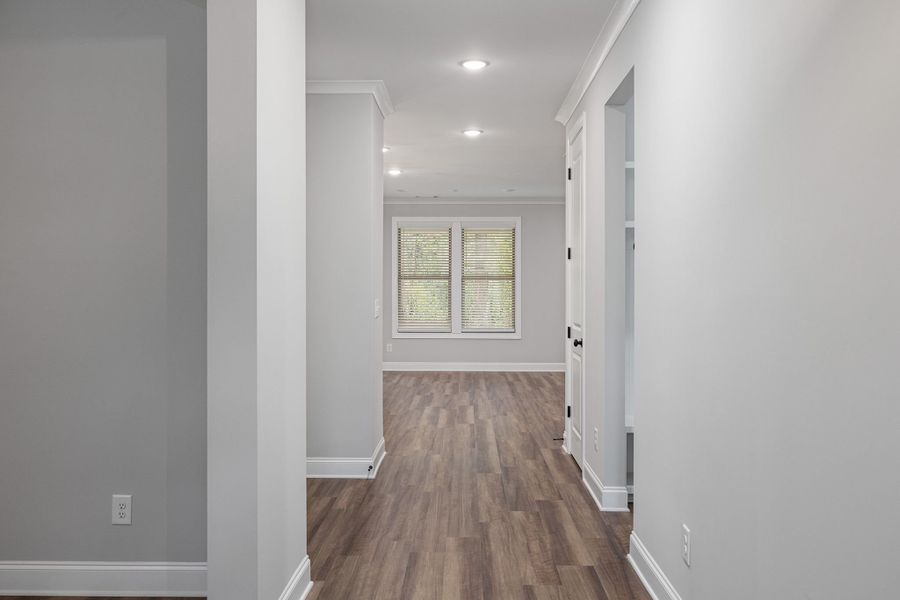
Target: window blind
{"points": [[423, 280], [488, 279]]}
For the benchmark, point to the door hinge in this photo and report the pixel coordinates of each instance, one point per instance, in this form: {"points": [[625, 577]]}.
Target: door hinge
{"points": [[569, 174], [568, 333], [569, 253], [569, 411]]}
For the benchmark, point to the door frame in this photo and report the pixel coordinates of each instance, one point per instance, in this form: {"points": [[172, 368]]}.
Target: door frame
{"points": [[572, 131]]}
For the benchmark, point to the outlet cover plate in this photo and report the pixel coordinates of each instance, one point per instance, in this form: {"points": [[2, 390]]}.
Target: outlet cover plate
{"points": [[121, 509], [686, 545]]}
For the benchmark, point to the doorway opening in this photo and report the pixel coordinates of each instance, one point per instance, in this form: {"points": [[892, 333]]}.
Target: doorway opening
{"points": [[575, 300], [620, 279], [630, 248]]}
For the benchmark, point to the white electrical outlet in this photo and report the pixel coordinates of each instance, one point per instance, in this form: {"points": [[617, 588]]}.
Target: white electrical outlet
{"points": [[596, 440], [377, 308], [388, 347], [121, 509], [686, 544]]}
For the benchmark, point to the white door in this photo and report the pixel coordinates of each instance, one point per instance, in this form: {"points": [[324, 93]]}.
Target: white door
{"points": [[575, 187]]}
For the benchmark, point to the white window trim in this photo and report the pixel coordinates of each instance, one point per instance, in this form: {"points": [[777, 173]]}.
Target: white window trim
{"points": [[456, 224]]}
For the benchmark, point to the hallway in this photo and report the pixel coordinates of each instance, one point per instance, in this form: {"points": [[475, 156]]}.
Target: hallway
{"points": [[474, 500]]}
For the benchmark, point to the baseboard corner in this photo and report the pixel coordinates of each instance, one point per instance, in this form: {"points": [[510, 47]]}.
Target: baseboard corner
{"points": [[300, 584], [346, 467], [378, 457], [607, 498], [649, 572]]}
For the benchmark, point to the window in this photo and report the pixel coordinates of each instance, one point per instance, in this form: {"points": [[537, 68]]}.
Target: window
{"points": [[423, 293], [488, 279], [456, 277]]}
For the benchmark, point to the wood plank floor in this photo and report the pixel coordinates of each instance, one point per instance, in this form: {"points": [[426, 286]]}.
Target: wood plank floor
{"points": [[475, 500]]}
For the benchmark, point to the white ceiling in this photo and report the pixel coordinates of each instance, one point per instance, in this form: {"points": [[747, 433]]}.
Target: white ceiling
{"points": [[535, 47]]}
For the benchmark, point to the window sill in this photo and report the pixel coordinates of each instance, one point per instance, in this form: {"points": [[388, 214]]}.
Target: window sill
{"points": [[459, 336]]}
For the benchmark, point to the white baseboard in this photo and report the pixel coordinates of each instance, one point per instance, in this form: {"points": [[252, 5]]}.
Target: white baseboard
{"points": [[378, 457], [346, 467], [69, 578], [647, 569], [497, 367], [607, 498], [300, 583]]}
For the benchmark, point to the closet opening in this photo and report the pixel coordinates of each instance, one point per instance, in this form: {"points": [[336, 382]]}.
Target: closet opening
{"points": [[621, 247]]}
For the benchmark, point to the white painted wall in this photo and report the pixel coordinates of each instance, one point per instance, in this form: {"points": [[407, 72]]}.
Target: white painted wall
{"points": [[102, 279], [344, 213], [257, 300], [767, 332], [543, 289]]}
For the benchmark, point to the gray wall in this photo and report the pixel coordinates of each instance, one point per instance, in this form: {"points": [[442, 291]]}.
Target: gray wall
{"points": [[344, 210], [766, 292], [102, 272], [543, 289]]}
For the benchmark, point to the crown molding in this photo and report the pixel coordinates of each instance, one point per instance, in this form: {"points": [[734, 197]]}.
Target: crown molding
{"points": [[375, 87], [604, 43], [474, 201]]}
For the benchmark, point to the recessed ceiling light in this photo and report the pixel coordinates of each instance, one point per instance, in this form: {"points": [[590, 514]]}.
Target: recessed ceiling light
{"points": [[509, 190], [472, 133], [385, 148], [394, 172], [474, 64]]}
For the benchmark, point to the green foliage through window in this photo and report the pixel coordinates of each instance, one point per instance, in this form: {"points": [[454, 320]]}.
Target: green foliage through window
{"points": [[423, 294]]}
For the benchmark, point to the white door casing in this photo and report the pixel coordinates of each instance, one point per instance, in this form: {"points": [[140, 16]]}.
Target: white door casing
{"points": [[575, 192]]}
